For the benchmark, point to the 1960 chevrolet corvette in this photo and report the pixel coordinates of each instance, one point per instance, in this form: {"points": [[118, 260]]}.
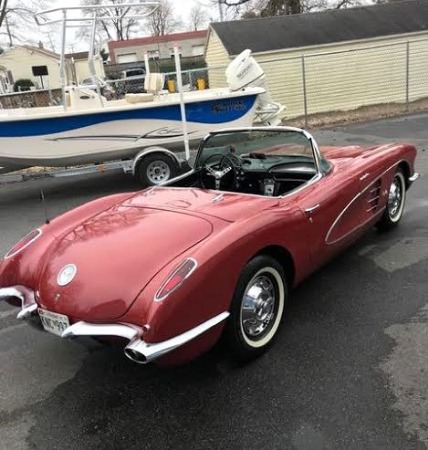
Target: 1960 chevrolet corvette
{"points": [[213, 253]]}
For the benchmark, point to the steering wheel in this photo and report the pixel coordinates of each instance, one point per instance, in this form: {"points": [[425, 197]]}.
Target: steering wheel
{"points": [[228, 164]]}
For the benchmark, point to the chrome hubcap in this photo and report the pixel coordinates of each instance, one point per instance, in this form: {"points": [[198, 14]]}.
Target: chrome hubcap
{"points": [[158, 171], [395, 198], [258, 307]]}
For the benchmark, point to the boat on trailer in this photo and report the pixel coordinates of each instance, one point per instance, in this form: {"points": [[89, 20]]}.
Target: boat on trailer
{"points": [[149, 128]]}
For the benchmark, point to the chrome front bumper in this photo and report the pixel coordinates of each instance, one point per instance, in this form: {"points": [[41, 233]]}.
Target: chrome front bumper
{"points": [[137, 350]]}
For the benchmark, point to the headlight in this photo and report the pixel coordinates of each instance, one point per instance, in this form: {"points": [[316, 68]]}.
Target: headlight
{"points": [[176, 279], [24, 243]]}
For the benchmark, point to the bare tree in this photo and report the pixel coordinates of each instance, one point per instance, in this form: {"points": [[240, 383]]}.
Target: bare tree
{"points": [[3, 9], [17, 16], [162, 21], [197, 17], [263, 8], [115, 23]]}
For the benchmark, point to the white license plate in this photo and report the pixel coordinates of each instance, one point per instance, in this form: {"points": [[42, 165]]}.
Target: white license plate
{"points": [[53, 322]]}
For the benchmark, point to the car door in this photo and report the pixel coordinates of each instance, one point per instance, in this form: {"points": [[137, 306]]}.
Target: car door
{"points": [[331, 219]]}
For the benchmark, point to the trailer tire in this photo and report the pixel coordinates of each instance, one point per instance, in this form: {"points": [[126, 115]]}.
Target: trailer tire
{"points": [[155, 169]]}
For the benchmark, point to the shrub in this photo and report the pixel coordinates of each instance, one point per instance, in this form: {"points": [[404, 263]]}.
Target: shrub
{"points": [[22, 85]]}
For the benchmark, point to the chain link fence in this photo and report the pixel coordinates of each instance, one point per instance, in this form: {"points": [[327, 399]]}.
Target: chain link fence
{"points": [[31, 99], [352, 84]]}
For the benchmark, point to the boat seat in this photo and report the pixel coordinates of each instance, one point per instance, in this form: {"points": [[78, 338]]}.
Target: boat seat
{"points": [[139, 98], [154, 82]]}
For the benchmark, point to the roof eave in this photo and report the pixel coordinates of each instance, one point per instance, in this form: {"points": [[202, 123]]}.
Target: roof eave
{"points": [[336, 44]]}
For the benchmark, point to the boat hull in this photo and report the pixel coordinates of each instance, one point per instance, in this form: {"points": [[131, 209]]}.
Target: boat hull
{"points": [[118, 131]]}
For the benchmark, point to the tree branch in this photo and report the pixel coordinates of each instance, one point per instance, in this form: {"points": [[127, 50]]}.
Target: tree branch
{"points": [[3, 10]]}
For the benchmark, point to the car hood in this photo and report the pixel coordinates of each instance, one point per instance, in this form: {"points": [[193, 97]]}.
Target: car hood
{"points": [[116, 253], [228, 206]]}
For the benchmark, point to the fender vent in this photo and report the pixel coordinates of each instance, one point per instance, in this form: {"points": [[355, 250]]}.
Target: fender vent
{"points": [[373, 197]]}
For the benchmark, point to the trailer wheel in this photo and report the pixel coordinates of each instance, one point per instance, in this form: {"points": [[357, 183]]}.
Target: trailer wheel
{"points": [[155, 169]]}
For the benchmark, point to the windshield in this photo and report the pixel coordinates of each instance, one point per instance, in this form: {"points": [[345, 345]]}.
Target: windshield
{"points": [[276, 146]]}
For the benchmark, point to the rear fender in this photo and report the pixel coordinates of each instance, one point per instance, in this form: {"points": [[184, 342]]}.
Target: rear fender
{"points": [[221, 258]]}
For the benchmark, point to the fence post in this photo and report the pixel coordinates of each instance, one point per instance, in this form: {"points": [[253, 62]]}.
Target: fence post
{"points": [[305, 99], [191, 80], [408, 76], [51, 102]]}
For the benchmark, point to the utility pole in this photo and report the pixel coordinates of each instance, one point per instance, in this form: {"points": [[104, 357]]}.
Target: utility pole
{"points": [[220, 9]]}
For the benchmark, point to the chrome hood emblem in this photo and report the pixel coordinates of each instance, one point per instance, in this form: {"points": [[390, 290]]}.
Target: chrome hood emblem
{"points": [[66, 275]]}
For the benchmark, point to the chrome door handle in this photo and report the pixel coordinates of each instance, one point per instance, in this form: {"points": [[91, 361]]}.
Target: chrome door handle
{"points": [[363, 177], [312, 209]]}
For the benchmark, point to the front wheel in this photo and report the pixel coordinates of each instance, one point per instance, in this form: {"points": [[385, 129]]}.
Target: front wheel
{"points": [[395, 204], [155, 169], [257, 308]]}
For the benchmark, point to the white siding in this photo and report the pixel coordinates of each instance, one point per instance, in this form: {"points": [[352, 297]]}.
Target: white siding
{"points": [[341, 76], [19, 62], [217, 60], [82, 69]]}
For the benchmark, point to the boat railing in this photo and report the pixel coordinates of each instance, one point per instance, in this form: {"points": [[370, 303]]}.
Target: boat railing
{"points": [[91, 16]]}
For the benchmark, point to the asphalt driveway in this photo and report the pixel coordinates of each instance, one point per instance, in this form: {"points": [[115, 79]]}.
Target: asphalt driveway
{"points": [[349, 370]]}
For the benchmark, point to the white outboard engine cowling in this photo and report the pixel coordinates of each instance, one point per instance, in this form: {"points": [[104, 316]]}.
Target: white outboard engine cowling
{"points": [[244, 71]]}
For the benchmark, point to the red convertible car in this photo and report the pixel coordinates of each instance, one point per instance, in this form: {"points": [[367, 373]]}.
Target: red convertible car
{"points": [[211, 254]]}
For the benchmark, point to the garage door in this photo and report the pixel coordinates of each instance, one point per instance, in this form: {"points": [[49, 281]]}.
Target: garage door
{"points": [[127, 58]]}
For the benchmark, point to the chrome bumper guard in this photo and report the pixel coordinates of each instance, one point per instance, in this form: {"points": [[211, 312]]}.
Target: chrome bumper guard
{"points": [[137, 350], [28, 301], [414, 177]]}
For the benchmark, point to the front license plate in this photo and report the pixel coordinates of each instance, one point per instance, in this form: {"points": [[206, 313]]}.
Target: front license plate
{"points": [[53, 322]]}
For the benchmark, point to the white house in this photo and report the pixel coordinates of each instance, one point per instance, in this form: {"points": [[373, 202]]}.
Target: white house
{"points": [[26, 62]]}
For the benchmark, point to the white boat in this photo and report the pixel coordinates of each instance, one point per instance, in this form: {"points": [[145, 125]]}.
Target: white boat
{"points": [[88, 128], [53, 137]]}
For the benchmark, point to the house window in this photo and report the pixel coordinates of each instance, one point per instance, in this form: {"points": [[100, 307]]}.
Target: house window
{"points": [[6, 81], [153, 54], [127, 58], [198, 50], [171, 50]]}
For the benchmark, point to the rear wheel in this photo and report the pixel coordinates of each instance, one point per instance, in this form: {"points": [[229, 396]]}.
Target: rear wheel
{"points": [[257, 308], [395, 204], [155, 169]]}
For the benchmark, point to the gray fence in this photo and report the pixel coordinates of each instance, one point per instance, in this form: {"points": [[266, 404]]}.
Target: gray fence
{"points": [[376, 80], [31, 99]]}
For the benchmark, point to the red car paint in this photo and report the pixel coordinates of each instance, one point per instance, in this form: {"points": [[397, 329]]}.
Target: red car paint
{"points": [[125, 246]]}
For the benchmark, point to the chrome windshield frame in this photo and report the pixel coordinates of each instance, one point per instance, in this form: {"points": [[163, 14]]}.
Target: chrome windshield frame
{"points": [[315, 149]]}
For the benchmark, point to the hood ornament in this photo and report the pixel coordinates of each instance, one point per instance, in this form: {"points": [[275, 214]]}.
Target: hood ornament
{"points": [[66, 275]]}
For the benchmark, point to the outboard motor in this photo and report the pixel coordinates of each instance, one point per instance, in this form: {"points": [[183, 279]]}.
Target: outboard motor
{"points": [[244, 71]]}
